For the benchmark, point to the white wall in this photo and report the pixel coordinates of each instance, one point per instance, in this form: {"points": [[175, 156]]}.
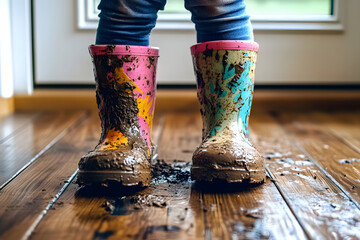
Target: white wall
{"points": [[6, 64], [15, 47], [21, 45], [61, 54]]}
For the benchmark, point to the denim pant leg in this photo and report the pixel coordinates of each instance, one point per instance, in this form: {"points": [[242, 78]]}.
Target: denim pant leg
{"points": [[127, 22], [220, 20]]}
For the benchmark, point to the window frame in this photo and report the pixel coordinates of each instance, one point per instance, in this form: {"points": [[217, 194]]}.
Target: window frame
{"points": [[87, 19]]}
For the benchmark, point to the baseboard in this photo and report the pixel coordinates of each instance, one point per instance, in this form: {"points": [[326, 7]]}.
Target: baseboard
{"points": [[6, 106], [186, 100], [48, 100]]}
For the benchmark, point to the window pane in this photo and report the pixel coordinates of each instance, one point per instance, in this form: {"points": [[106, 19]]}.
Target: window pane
{"points": [[271, 7], [96, 4], [289, 7], [175, 6], [265, 7]]}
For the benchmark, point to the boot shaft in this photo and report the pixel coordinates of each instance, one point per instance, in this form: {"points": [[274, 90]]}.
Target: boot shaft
{"points": [[225, 82], [125, 91]]}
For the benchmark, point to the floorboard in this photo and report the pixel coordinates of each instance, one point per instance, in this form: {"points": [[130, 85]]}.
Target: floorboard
{"points": [[255, 213], [28, 142], [181, 135], [11, 123], [319, 205], [24, 199], [326, 151], [83, 213], [211, 213], [344, 125], [312, 191]]}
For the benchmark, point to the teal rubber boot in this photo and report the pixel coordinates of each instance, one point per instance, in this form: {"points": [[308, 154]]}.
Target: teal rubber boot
{"points": [[225, 82]]}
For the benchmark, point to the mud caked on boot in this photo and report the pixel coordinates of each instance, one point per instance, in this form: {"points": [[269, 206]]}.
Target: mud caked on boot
{"points": [[225, 83], [125, 92]]}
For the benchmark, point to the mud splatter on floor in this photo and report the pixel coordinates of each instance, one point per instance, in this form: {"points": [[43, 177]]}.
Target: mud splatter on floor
{"points": [[140, 201], [119, 206], [274, 155], [103, 235], [126, 204], [349, 161], [251, 230], [175, 172], [162, 228]]}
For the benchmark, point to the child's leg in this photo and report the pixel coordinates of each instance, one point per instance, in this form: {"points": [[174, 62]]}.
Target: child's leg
{"points": [[127, 22], [220, 20]]}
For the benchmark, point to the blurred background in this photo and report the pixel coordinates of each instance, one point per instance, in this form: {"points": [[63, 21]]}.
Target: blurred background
{"points": [[303, 43]]}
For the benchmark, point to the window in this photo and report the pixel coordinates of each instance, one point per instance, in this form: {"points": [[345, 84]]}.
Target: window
{"points": [[265, 15], [271, 7]]}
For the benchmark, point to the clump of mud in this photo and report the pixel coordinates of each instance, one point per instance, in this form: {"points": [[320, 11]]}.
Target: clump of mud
{"points": [[349, 160], [126, 204], [140, 201], [175, 172]]}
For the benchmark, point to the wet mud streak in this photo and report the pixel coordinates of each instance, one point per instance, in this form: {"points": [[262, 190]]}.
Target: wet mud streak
{"points": [[162, 228], [151, 61], [251, 230], [103, 235], [141, 201], [117, 105], [208, 52], [350, 160], [175, 172], [119, 206], [224, 187], [127, 204]]}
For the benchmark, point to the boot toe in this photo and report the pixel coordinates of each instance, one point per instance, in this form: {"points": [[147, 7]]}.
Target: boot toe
{"points": [[236, 162], [125, 167]]}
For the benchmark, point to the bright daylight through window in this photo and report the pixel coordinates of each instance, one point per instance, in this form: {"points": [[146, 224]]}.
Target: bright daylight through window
{"points": [[265, 14], [265, 7], [271, 7]]}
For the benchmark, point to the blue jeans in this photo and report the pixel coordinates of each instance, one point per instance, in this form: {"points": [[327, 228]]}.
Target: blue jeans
{"points": [[129, 22]]}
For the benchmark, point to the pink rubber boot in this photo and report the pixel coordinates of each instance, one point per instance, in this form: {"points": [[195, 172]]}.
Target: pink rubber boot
{"points": [[125, 92]]}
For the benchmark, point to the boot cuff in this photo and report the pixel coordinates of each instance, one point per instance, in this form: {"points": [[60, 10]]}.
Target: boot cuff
{"points": [[123, 50], [225, 45]]}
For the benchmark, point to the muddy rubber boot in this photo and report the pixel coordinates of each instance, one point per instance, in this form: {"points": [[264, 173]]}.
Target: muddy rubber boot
{"points": [[225, 81], [125, 92]]}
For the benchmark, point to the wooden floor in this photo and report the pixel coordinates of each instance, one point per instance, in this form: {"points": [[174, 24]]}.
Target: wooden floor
{"points": [[312, 190]]}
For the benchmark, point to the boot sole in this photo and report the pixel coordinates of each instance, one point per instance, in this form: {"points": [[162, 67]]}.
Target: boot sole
{"points": [[105, 178], [228, 175]]}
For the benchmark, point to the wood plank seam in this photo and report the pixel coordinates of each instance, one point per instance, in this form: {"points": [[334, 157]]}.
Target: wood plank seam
{"points": [[341, 139], [4, 139], [329, 176], [301, 148], [30, 230], [156, 135], [320, 205], [156, 140], [106, 225], [34, 186], [208, 233], [273, 180], [98, 229], [334, 133], [47, 147], [207, 229]]}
